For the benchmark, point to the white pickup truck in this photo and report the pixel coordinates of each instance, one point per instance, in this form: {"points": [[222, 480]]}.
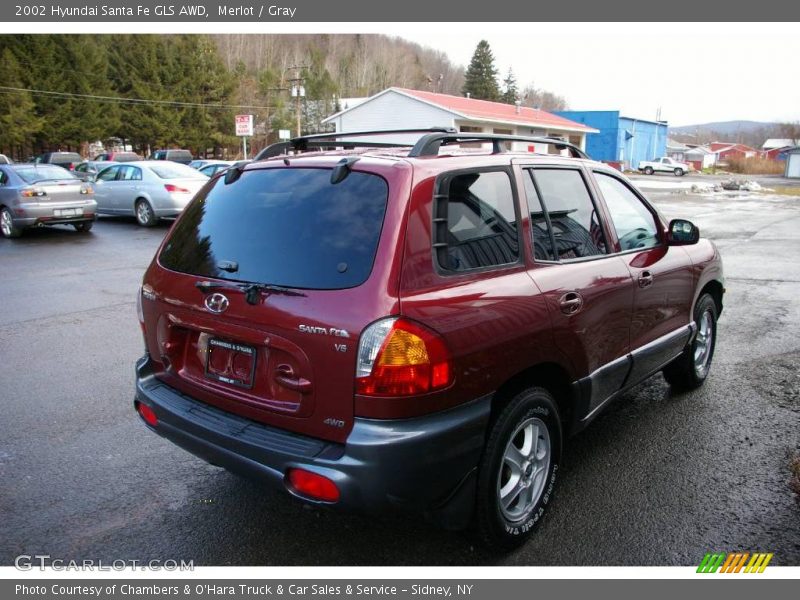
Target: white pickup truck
{"points": [[664, 164]]}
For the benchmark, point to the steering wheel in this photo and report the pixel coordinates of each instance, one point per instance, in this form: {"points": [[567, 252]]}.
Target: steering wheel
{"points": [[635, 239]]}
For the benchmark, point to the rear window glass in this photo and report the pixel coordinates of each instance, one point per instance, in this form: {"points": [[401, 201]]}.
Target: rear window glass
{"points": [[168, 170], [65, 157], [288, 227], [34, 173]]}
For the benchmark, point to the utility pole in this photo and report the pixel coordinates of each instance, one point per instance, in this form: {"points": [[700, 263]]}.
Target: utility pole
{"points": [[298, 91]]}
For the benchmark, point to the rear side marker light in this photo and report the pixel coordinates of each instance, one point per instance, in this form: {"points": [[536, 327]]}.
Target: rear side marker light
{"points": [[313, 485], [397, 357], [147, 414]]}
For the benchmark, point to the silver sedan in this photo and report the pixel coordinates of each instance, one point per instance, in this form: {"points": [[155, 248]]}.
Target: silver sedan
{"points": [[34, 195], [147, 189]]}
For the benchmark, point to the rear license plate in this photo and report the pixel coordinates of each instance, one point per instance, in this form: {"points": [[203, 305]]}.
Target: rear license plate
{"points": [[68, 212], [230, 363]]}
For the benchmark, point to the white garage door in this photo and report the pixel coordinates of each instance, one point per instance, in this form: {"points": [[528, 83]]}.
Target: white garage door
{"points": [[793, 165]]}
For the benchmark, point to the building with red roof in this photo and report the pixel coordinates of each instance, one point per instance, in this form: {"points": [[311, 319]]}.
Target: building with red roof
{"points": [[400, 108]]}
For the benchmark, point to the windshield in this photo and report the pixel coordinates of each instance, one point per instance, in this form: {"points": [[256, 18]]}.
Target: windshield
{"points": [[35, 173], [288, 227], [167, 170]]}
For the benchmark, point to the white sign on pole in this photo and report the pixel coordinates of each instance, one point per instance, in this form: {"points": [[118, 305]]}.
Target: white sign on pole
{"points": [[244, 125], [284, 134]]}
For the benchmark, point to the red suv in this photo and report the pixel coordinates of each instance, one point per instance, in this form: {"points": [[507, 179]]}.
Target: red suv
{"points": [[416, 327]]}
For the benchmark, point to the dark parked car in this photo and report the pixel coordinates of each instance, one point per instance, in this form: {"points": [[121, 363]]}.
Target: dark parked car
{"points": [[89, 169], [68, 160], [179, 156], [34, 195], [417, 329]]}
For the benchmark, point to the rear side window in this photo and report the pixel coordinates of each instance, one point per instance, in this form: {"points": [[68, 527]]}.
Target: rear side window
{"points": [[130, 174], [288, 227], [476, 223], [573, 216]]}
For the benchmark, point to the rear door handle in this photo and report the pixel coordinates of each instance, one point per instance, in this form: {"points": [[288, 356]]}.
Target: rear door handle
{"points": [[645, 279], [285, 376], [570, 303]]}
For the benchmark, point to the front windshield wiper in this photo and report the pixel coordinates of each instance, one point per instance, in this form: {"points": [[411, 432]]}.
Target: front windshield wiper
{"points": [[251, 290]]}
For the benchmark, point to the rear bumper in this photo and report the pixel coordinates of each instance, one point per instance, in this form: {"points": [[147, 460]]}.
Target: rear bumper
{"points": [[422, 465], [172, 205], [32, 214]]}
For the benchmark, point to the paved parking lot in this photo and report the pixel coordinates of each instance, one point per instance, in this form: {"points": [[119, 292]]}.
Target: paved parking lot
{"points": [[658, 479]]}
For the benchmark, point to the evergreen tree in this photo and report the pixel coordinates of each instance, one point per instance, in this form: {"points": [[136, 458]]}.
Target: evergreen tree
{"points": [[18, 120], [480, 80], [510, 92]]}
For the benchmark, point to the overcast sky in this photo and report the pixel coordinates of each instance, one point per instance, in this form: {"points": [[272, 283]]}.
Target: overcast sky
{"points": [[696, 73]]}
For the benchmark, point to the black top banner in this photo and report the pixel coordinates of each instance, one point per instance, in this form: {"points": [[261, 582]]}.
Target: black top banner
{"points": [[444, 11]]}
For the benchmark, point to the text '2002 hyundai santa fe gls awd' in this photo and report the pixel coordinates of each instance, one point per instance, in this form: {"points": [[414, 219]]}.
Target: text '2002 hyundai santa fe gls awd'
{"points": [[416, 328]]}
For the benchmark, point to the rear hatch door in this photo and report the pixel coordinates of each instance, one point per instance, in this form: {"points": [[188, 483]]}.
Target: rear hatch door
{"points": [[258, 296]]}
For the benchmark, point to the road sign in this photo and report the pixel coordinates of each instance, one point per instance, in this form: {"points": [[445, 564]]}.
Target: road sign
{"points": [[244, 125], [284, 134]]}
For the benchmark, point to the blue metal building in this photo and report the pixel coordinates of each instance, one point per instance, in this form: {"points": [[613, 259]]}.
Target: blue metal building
{"points": [[623, 140]]}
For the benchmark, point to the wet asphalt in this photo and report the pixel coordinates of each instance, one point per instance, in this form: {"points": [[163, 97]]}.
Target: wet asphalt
{"points": [[658, 479]]}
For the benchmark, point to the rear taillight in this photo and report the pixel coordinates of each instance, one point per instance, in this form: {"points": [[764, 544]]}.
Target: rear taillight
{"points": [[147, 414], [174, 189], [71, 166], [33, 192], [312, 485], [86, 189], [397, 357]]}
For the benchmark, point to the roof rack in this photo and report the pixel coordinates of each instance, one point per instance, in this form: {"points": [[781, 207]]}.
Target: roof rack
{"points": [[428, 145], [333, 139]]}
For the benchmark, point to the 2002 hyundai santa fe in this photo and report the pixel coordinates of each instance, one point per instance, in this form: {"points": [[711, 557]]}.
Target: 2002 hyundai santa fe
{"points": [[417, 328]]}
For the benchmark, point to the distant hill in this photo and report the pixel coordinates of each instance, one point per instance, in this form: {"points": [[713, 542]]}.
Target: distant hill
{"points": [[752, 133], [728, 128]]}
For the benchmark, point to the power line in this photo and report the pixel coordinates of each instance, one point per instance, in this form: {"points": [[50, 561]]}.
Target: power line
{"points": [[121, 100]]}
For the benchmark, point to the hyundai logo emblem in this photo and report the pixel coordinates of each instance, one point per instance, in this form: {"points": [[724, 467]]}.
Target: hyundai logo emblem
{"points": [[217, 303]]}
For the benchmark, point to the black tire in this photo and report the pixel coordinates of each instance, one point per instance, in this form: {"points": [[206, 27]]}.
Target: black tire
{"points": [[145, 216], [8, 229], [499, 530], [684, 373], [83, 226], [648, 170], [678, 172]]}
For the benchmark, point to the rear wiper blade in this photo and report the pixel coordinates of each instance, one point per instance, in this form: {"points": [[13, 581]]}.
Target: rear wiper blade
{"points": [[251, 290]]}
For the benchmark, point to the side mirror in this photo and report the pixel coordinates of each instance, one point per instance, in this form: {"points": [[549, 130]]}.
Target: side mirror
{"points": [[682, 233]]}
